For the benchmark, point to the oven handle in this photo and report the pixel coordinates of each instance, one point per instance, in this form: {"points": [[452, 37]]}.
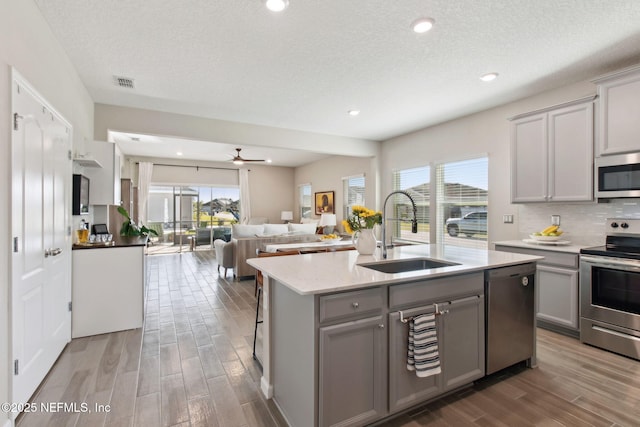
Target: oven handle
{"points": [[626, 264]]}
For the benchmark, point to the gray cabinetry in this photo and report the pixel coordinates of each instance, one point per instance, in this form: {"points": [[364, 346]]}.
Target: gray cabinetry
{"points": [[340, 359], [462, 348], [619, 109], [557, 280], [460, 331], [552, 154], [352, 371], [558, 296]]}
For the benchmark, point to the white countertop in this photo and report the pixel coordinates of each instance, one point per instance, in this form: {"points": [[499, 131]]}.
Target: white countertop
{"points": [[340, 271], [574, 249], [275, 247]]}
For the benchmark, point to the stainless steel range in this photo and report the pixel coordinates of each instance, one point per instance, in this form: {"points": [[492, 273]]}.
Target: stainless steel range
{"points": [[610, 290]]}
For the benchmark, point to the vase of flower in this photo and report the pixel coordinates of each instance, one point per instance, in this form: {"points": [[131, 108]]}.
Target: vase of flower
{"points": [[365, 241], [361, 223]]}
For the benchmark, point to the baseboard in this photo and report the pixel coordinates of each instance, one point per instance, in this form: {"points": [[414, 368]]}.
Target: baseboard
{"points": [[573, 333], [267, 389]]}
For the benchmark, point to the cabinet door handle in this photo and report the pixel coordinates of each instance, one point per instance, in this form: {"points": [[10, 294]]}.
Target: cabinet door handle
{"points": [[381, 326], [355, 305]]}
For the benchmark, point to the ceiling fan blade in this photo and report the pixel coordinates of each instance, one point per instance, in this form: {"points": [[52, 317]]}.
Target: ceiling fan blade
{"points": [[239, 158]]}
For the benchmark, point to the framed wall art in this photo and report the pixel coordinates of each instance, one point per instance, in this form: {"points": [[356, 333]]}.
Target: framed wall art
{"points": [[324, 202]]}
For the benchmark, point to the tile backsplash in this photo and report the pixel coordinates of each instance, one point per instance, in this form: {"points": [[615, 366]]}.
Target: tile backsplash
{"points": [[583, 223]]}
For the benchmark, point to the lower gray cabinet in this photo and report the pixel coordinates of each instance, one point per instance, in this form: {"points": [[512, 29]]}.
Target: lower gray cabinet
{"points": [[558, 296], [352, 372], [460, 329], [462, 348], [405, 388]]}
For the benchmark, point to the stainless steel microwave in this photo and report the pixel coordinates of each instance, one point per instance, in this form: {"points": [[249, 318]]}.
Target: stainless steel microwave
{"points": [[617, 176]]}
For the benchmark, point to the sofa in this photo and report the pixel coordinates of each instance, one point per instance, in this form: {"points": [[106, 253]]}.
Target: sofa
{"points": [[248, 238]]}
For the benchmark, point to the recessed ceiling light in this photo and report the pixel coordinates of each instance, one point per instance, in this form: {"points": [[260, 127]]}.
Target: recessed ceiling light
{"points": [[488, 77], [268, 160], [276, 5], [179, 153], [422, 25], [354, 112]]}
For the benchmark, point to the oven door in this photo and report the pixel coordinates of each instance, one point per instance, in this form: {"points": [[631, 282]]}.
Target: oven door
{"points": [[610, 290]]}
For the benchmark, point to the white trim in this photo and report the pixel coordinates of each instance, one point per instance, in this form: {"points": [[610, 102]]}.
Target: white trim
{"points": [[266, 388], [359, 175]]}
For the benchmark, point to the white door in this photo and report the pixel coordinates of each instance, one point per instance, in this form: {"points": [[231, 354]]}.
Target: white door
{"points": [[41, 262]]}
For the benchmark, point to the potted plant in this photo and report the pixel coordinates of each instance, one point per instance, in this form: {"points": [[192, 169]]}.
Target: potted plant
{"points": [[131, 229]]}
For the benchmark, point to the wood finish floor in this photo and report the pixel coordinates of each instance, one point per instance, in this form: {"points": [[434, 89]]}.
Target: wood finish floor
{"points": [[191, 365]]}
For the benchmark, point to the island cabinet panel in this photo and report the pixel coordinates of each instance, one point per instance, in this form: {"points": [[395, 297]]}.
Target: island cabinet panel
{"points": [[352, 379], [430, 291], [350, 304], [462, 341], [461, 346], [405, 387]]}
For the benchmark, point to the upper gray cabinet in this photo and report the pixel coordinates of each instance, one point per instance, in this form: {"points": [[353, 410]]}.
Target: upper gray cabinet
{"points": [[552, 154], [619, 112]]}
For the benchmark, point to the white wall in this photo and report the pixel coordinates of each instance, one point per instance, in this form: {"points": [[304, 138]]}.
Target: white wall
{"points": [[484, 133], [27, 44], [327, 174], [272, 191]]}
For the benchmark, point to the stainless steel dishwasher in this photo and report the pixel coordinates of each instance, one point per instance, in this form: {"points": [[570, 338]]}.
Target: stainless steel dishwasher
{"points": [[510, 315]]}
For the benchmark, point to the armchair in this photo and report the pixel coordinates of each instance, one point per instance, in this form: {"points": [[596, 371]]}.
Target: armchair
{"points": [[225, 255]]}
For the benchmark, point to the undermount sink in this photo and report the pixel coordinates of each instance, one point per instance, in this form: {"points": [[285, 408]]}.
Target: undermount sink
{"points": [[404, 265]]}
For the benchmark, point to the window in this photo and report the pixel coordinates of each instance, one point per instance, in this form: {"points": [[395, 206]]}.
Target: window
{"points": [[305, 201], [462, 201], [354, 187], [415, 182], [460, 197]]}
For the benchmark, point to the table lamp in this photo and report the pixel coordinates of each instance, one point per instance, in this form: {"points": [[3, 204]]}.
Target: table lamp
{"points": [[286, 216], [328, 221]]}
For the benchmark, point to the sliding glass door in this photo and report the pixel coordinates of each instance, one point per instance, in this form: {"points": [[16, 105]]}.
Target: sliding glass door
{"points": [[191, 217]]}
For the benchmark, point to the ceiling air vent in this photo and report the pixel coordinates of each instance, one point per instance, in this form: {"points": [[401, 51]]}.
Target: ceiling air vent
{"points": [[125, 82]]}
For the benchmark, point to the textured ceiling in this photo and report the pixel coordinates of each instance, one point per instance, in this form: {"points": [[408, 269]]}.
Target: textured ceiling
{"points": [[306, 67]]}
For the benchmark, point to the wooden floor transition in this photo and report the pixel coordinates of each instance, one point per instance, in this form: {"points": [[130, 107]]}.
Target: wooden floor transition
{"points": [[192, 366]]}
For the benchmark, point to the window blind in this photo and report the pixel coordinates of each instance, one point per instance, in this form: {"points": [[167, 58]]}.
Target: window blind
{"points": [[354, 189], [304, 201], [416, 182], [461, 189]]}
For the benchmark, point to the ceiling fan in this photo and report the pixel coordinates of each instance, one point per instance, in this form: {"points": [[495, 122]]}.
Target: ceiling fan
{"points": [[239, 160]]}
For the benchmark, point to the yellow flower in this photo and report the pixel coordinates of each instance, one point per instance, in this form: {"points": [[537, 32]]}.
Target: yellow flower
{"points": [[346, 226]]}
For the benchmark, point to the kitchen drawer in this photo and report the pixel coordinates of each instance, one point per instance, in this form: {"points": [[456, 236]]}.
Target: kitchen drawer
{"points": [[426, 291], [350, 304], [559, 259]]}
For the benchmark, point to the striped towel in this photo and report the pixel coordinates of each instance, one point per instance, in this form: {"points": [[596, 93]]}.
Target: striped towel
{"points": [[422, 355]]}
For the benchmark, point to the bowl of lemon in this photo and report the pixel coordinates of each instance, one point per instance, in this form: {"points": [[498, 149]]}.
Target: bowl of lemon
{"points": [[549, 234], [330, 238]]}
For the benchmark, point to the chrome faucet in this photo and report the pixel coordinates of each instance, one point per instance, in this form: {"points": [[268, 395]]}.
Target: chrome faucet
{"points": [[414, 221]]}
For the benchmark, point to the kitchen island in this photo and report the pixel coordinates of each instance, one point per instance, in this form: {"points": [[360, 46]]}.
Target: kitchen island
{"points": [[334, 340]]}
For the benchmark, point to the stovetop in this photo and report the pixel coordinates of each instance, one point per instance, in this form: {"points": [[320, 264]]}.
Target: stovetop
{"points": [[623, 239]]}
